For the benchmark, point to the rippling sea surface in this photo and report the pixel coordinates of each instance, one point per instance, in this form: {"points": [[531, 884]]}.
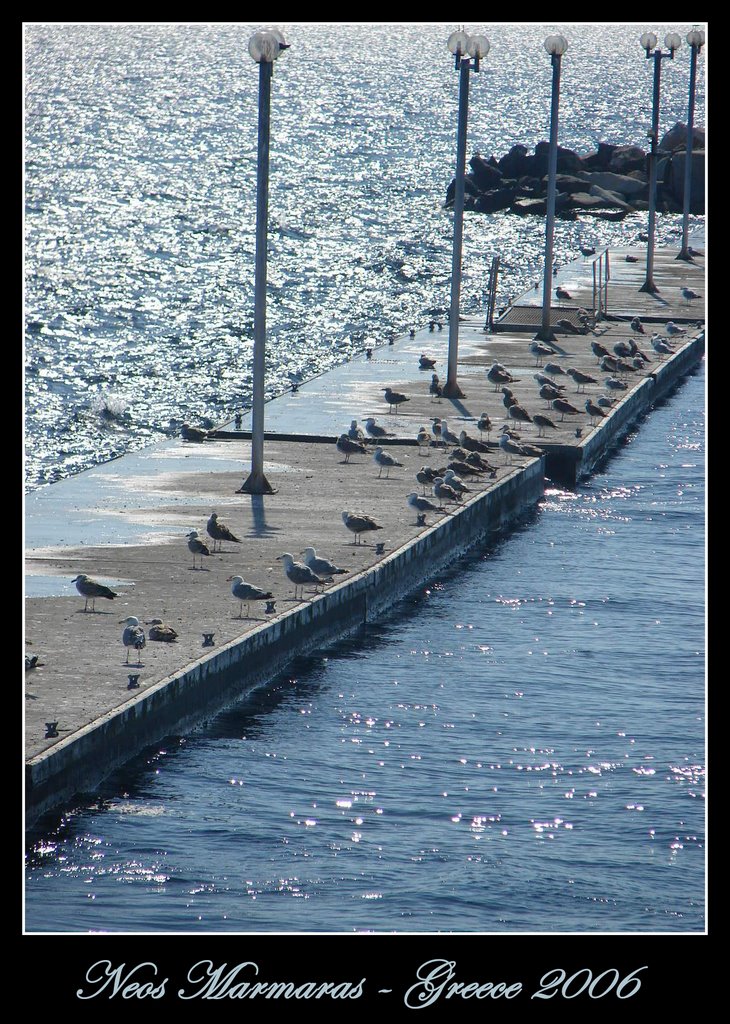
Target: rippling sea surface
{"points": [[519, 747], [140, 205]]}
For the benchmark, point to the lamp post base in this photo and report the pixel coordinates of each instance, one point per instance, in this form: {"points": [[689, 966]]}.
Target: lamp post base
{"points": [[686, 255], [545, 334], [256, 483], [452, 390], [649, 286]]}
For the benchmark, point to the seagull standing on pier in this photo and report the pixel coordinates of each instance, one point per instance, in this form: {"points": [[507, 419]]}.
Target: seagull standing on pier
{"points": [[219, 531], [355, 433], [484, 424], [636, 325], [375, 430], [443, 491], [689, 295], [564, 408], [661, 346], [394, 398], [435, 389], [599, 351], [90, 590], [497, 375], [550, 393], [562, 293], [322, 566], [554, 369], [423, 438], [448, 435], [545, 381], [542, 423], [540, 351], [246, 593], [594, 411], [613, 384], [519, 413], [133, 637], [674, 331], [581, 379], [423, 504], [385, 461], [471, 444], [348, 447], [197, 547], [358, 523], [300, 574]]}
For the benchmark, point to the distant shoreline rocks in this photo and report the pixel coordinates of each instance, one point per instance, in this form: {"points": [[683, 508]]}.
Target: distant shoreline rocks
{"points": [[608, 184]]}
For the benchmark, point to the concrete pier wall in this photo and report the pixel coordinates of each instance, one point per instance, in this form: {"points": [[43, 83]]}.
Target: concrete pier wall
{"points": [[179, 703]]}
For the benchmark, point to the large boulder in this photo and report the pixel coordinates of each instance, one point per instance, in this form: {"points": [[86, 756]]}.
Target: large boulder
{"points": [[470, 189], [486, 175], [627, 158], [674, 180], [495, 199], [568, 182], [568, 161], [626, 185], [676, 138], [516, 163], [599, 160], [610, 198]]}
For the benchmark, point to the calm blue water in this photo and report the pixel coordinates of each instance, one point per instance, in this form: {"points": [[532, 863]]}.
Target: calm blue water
{"points": [[519, 747], [140, 192]]}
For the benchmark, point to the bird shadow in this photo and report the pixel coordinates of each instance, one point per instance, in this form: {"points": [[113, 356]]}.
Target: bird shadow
{"points": [[93, 611]]}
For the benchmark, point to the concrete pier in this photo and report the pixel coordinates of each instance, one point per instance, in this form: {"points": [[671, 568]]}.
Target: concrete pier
{"points": [[125, 524]]}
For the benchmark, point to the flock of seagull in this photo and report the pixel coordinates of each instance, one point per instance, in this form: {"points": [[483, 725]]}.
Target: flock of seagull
{"points": [[466, 457]]}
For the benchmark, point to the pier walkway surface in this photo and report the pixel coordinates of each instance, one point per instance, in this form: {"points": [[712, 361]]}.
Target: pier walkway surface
{"points": [[124, 523]]}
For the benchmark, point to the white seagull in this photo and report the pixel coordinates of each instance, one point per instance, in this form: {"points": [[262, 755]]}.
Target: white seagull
{"points": [[133, 636], [300, 574]]}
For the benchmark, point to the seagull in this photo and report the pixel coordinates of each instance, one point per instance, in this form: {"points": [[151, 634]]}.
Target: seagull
{"points": [[562, 293], [608, 364], [554, 369], [622, 349], [587, 251], [615, 385], [475, 460], [599, 351], [544, 381], [452, 480], [133, 636], [472, 444], [631, 259], [510, 447], [375, 430], [394, 398], [348, 447], [672, 329], [508, 398], [689, 294], [299, 573], [159, 630], [189, 433], [519, 413], [423, 438], [423, 504], [322, 566], [385, 461], [247, 592], [436, 426], [442, 490], [542, 423], [564, 408], [424, 363], [219, 531], [355, 433], [594, 411], [426, 476], [581, 379], [196, 547], [539, 351], [358, 523], [550, 393], [637, 326], [90, 589], [498, 375], [448, 435], [435, 388], [605, 402], [660, 346], [462, 468], [484, 424]]}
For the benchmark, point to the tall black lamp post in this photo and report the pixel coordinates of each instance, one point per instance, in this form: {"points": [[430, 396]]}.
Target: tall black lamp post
{"points": [[556, 45], [265, 47], [648, 42], [695, 41], [468, 51]]}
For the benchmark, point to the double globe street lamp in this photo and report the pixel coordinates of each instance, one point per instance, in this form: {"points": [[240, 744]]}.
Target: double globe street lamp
{"points": [[648, 41], [468, 51], [556, 45]]}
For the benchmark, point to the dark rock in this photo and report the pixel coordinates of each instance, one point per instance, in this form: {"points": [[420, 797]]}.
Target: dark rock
{"points": [[676, 138], [673, 183], [470, 189], [495, 199], [567, 183], [627, 158], [486, 175], [568, 161], [516, 163], [599, 160]]}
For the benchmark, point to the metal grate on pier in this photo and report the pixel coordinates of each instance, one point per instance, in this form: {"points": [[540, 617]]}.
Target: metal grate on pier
{"points": [[529, 318]]}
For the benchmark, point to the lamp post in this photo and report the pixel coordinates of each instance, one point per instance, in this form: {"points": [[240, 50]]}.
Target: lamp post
{"points": [[264, 46], [695, 41], [556, 45], [648, 42], [468, 51]]}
